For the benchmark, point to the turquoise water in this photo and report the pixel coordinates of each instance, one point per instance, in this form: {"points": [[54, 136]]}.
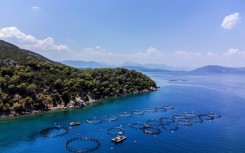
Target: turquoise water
{"points": [[224, 94]]}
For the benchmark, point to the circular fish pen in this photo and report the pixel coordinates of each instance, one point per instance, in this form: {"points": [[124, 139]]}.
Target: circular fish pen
{"points": [[185, 122], [54, 131], [138, 112], [190, 114], [168, 107], [151, 130], [124, 114], [161, 109], [179, 117], [215, 115], [170, 127], [166, 120], [138, 125], [195, 119], [110, 118], [115, 130], [206, 117], [94, 120], [85, 139], [150, 110], [153, 122]]}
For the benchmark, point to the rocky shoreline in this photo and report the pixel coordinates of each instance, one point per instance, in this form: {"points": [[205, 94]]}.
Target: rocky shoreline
{"points": [[77, 104]]}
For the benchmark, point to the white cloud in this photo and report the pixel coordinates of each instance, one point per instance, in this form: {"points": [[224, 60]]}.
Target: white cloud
{"points": [[35, 7], [14, 35], [230, 21], [234, 52]]}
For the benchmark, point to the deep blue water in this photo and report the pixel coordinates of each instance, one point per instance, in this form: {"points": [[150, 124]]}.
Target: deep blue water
{"points": [[224, 94]]}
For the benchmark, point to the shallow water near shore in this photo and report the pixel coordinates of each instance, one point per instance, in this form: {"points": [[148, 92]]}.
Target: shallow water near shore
{"points": [[223, 94]]}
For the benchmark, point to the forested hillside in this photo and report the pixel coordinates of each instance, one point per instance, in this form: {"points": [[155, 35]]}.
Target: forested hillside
{"points": [[29, 81]]}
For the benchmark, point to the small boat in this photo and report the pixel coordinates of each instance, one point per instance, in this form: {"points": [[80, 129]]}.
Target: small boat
{"points": [[119, 138], [74, 123], [88, 121]]}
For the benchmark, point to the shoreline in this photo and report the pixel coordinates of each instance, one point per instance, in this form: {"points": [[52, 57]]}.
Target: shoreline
{"points": [[60, 109]]}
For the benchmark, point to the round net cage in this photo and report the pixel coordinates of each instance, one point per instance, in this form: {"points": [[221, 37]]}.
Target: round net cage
{"points": [[69, 145], [124, 114], [215, 115], [184, 122], [206, 117], [138, 125], [153, 122], [151, 130], [190, 114], [110, 118], [115, 131], [166, 120], [161, 109], [168, 107], [94, 120], [170, 127], [195, 119], [179, 117], [54, 131], [150, 110], [138, 112]]}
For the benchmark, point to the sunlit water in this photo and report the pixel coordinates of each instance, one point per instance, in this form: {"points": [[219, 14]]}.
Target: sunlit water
{"points": [[224, 94]]}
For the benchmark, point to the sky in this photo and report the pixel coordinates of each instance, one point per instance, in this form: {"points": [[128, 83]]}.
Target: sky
{"points": [[186, 33]]}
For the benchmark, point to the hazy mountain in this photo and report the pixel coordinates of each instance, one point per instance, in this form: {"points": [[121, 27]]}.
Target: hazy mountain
{"points": [[157, 66], [86, 64], [218, 69]]}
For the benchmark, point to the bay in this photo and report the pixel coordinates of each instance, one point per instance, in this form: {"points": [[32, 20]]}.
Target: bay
{"points": [[223, 94]]}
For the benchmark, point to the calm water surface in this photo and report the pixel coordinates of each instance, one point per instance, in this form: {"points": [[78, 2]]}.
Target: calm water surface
{"points": [[224, 94]]}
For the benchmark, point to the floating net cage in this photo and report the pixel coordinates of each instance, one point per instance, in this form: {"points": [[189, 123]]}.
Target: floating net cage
{"points": [[215, 115], [168, 107], [94, 120], [166, 120], [124, 114], [184, 122], [161, 109], [115, 131], [150, 110], [54, 131], [195, 119], [170, 127], [151, 130], [68, 144], [190, 114], [138, 125], [138, 112], [153, 122], [206, 117], [179, 117], [110, 118]]}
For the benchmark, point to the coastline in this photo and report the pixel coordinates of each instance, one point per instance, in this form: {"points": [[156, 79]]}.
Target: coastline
{"points": [[60, 109]]}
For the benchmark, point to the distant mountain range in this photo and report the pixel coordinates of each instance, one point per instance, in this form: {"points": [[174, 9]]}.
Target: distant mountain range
{"points": [[210, 69], [218, 69], [128, 65]]}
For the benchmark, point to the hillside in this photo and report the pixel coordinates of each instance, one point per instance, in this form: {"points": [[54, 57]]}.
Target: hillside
{"points": [[218, 69], [30, 82]]}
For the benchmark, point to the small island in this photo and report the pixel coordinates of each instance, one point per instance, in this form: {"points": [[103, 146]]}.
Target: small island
{"points": [[31, 83]]}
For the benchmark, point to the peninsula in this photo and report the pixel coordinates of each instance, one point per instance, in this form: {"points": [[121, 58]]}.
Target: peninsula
{"points": [[30, 83]]}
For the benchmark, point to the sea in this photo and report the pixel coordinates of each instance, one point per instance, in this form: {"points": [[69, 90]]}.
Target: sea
{"points": [[223, 94]]}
